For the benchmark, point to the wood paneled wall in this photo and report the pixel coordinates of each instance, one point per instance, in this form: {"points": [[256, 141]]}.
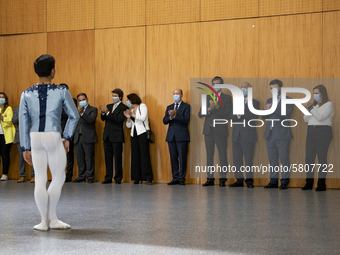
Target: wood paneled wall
{"points": [[152, 47]]}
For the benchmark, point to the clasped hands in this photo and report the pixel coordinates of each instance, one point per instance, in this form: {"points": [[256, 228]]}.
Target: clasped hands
{"points": [[128, 114]]}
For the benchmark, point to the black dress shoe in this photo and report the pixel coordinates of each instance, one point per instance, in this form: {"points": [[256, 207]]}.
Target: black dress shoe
{"points": [[182, 183], [208, 183], [118, 182], [106, 182], [148, 182], [320, 188], [136, 182], [90, 181], [250, 185], [307, 187], [284, 186], [79, 180], [236, 184], [173, 182], [222, 184], [68, 180], [271, 186]]}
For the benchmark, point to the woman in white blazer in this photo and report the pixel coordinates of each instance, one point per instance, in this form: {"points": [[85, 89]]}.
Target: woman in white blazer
{"points": [[137, 120], [319, 136]]}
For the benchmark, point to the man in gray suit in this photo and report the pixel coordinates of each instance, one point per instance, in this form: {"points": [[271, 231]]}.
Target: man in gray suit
{"points": [[22, 162], [244, 139], [84, 139], [278, 140]]}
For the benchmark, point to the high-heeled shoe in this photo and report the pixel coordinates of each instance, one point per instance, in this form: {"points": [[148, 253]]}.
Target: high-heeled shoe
{"points": [[307, 187], [320, 188]]}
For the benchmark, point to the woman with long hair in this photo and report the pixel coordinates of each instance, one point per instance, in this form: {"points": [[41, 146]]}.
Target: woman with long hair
{"points": [[319, 136], [7, 132]]}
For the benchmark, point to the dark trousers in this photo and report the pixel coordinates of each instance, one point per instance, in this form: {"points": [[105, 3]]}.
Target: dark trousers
{"points": [[4, 152], [278, 148], [140, 158], [85, 158], [247, 150], [113, 150], [221, 143], [317, 144], [22, 163], [70, 161], [178, 152]]}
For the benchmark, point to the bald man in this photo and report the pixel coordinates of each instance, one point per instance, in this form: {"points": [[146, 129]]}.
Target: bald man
{"points": [[177, 115]]}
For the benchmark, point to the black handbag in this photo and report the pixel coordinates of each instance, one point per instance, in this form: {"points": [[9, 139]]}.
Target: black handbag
{"points": [[149, 134]]}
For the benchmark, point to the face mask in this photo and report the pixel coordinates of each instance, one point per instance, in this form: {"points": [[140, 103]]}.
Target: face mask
{"points": [[115, 99], [217, 89], [244, 91], [317, 97], [177, 98], [278, 92], [2, 101], [83, 103], [128, 104]]}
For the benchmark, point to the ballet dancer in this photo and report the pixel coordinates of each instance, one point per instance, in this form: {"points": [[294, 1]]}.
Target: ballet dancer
{"points": [[42, 144]]}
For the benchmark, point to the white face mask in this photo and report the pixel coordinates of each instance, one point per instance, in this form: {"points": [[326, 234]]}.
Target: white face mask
{"points": [[115, 99]]}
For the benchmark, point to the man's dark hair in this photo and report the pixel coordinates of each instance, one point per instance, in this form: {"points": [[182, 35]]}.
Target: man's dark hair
{"points": [[65, 85], [119, 92], [324, 95], [217, 78], [6, 98], [82, 94], [276, 82], [181, 92], [134, 98], [44, 65]]}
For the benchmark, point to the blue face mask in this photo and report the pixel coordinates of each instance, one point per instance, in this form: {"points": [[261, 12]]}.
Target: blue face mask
{"points": [[244, 91], [2, 101], [317, 97], [217, 89], [83, 103], [128, 104], [177, 98]]}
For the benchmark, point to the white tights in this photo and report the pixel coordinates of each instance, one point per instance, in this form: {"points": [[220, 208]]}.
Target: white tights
{"points": [[47, 148]]}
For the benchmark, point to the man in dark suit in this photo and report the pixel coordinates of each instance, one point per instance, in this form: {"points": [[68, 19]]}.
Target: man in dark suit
{"points": [[84, 139], [113, 137], [244, 139], [177, 115], [216, 135], [278, 139], [70, 153]]}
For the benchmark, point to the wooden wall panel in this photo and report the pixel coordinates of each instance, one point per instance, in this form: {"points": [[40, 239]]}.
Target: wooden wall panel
{"points": [[291, 46], [234, 9], [64, 15], [331, 5], [20, 16], [74, 55], [331, 59], [20, 53], [172, 11], [120, 63], [282, 7], [172, 59], [116, 13], [2, 59]]}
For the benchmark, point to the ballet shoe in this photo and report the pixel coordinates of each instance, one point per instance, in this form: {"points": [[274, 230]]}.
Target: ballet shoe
{"points": [[58, 224], [41, 227]]}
